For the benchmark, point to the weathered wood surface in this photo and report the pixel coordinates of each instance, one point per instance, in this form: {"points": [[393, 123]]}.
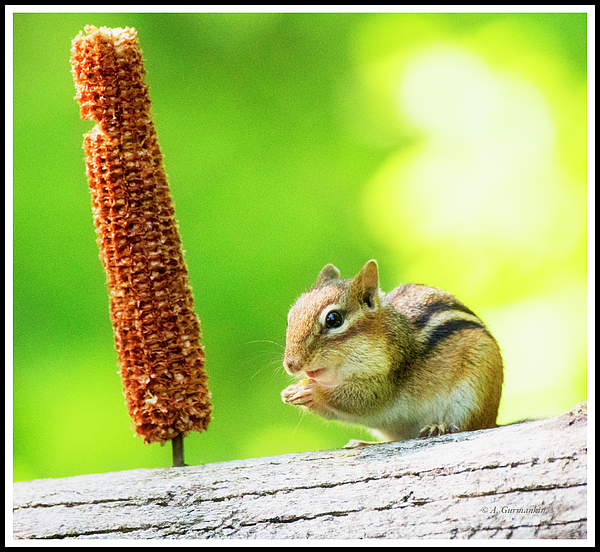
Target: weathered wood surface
{"points": [[520, 481]]}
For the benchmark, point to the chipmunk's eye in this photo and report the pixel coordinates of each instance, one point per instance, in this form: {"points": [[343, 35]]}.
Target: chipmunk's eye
{"points": [[334, 319]]}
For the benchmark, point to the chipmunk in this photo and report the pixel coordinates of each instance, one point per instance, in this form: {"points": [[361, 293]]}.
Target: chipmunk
{"points": [[415, 362]]}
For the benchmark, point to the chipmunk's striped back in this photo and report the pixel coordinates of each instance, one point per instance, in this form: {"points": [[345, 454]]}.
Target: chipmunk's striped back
{"points": [[434, 314]]}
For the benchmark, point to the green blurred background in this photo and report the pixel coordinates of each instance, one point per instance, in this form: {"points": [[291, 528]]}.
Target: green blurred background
{"points": [[450, 147]]}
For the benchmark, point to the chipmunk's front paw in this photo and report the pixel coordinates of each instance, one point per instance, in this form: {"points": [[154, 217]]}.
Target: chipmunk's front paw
{"points": [[434, 430], [299, 394]]}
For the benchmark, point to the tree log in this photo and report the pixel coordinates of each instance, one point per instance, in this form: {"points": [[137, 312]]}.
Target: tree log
{"points": [[523, 481]]}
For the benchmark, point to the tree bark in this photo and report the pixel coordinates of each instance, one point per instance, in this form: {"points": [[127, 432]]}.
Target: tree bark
{"points": [[521, 481]]}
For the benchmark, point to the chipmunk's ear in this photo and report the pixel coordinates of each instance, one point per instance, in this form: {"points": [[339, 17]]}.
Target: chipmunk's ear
{"points": [[328, 272], [365, 285]]}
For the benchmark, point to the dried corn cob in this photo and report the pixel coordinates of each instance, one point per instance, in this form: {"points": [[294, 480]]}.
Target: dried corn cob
{"points": [[156, 330]]}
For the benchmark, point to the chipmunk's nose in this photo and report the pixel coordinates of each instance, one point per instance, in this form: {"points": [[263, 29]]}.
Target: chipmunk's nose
{"points": [[292, 365]]}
